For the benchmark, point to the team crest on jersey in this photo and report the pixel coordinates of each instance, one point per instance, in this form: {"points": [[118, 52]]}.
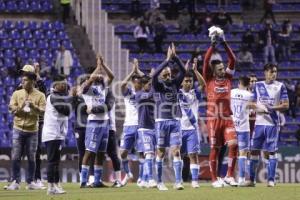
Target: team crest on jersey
{"points": [[221, 89]]}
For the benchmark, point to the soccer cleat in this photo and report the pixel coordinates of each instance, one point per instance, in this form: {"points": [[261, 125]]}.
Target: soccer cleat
{"points": [[117, 184], [138, 182], [83, 185], [59, 189], [98, 185], [33, 186], [230, 181], [195, 184], [161, 186], [271, 184], [40, 184], [217, 183], [152, 183], [127, 178], [12, 186], [51, 191], [178, 186]]}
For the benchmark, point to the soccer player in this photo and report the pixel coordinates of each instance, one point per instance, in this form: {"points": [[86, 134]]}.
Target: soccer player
{"points": [[240, 106], [99, 100], [270, 98], [58, 109], [189, 103], [112, 147], [146, 105], [220, 125], [130, 130], [168, 113]]}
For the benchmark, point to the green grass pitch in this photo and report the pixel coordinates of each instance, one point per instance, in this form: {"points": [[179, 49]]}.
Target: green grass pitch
{"points": [[132, 192]]}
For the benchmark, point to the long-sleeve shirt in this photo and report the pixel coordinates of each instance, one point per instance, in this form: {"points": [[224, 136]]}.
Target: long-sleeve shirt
{"points": [[146, 104], [166, 95], [218, 90]]}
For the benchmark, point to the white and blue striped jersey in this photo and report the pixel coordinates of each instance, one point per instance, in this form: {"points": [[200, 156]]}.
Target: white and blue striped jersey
{"points": [[271, 94], [240, 99], [189, 103], [93, 97], [131, 112]]}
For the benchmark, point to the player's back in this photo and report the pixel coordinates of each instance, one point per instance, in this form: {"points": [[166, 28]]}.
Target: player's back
{"points": [[218, 97], [240, 100]]}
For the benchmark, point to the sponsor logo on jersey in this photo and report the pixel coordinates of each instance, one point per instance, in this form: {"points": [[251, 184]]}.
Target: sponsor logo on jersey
{"points": [[221, 89]]}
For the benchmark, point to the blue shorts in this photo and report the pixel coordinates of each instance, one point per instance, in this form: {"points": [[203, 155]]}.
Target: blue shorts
{"points": [[168, 133], [190, 142], [265, 138], [96, 135], [243, 140], [148, 139], [130, 139]]}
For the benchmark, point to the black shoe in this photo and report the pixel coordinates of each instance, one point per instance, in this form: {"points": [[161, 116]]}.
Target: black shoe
{"points": [[83, 185], [117, 184], [98, 185]]}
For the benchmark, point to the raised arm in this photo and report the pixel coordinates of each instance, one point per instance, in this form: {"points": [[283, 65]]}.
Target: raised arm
{"points": [[207, 72], [107, 70], [126, 80], [180, 76], [155, 78], [231, 57], [199, 77]]}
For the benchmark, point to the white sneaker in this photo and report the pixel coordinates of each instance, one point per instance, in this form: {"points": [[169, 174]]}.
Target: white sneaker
{"points": [[51, 190], [217, 183], [126, 179], [142, 184], [178, 186], [230, 181], [138, 182], [91, 180], [40, 184], [33, 186], [271, 184], [12, 186], [59, 189], [161, 186], [195, 184], [152, 183]]}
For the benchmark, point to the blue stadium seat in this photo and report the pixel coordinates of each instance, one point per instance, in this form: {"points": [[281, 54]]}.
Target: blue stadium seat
{"points": [[54, 44], [6, 44], [42, 44], [26, 34], [37, 34], [32, 25], [2, 6], [23, 6], [3, 34], [20, 25], [11, 6], [46, 25], [30, 44], [34, 54], [50, 35], [59, 26], [8, 25], [67, 44], [8, 81], [34, 6], [22, 53], [14, 34], [8, 53]]}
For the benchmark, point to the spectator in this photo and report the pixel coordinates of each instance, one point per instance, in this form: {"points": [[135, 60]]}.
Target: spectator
{"points": [[248, 39], [135, 8], [197, 55], [245, 58], [268, 40], [284, 41], [184, 21], [160, 32], [26, 105], [268, 6], [66, 5], [207, 20], [290, 87], [222, 19], [173, 9], [152, 16], [64, 61], [196, 25], [141, 33]]}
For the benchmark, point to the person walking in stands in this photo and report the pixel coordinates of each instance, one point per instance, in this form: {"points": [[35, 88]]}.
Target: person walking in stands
{"points": [[26, 105], [64, 61], [66, 5]]}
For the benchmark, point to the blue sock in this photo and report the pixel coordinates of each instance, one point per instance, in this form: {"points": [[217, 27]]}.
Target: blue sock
{"points": [[159, 169], [125, 164], [253, 167], [272, 168], [97, 174], [194, 171], [141, 168], [84, 173], [177, 165], [149, 167], [242, 166]]}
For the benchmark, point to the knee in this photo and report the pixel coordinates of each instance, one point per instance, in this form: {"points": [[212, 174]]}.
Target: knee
{"points": [[124, 154]]}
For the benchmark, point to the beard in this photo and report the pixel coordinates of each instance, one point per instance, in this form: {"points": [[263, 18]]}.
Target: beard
{"points": [[168, 82]]}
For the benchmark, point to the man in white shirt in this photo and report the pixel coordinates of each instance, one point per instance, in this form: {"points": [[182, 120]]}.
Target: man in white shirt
{"points": [[64, 61]]}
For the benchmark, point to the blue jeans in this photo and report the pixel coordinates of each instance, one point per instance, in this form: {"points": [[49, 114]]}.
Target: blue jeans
{"points": [[24, 142], [269, 51]]}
